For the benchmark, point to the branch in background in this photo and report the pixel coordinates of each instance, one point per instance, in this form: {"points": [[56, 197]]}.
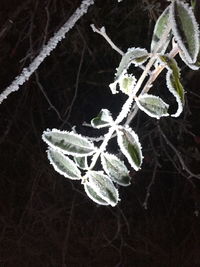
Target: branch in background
{"points": [[46, 50]]}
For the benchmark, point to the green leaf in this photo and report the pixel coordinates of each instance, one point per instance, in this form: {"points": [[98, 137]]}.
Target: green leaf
{"points": [[103, 119], [63, 165], [115, 169], [173, 82], [103, 187], [159, 30], [193, 66], [152, 105], [93, 195], [81, 162], [126, 83], [185, 30], [136, 56], [68, 142], [130, 146]]}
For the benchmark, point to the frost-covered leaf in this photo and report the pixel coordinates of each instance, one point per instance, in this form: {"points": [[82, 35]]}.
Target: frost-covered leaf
{"points": [[115, 169], [185, 30], [159, 29], [136, 56], [63, 165], [103, 187], [130, 146], [193, 66], [81, 162], [68, 142], [93, 195], [173, 82], [152, 105], [126, 83], [103, 119]]}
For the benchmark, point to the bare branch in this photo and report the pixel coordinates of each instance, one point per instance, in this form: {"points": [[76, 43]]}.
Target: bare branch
{"points": [[102, 32], [46, 50]]}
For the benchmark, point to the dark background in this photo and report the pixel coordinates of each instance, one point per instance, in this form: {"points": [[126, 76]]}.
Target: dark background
{"points": [[48, 221]]}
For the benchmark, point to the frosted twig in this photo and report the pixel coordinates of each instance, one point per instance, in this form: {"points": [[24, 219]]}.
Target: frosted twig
{"points": [[46, 50], [103, 33]]}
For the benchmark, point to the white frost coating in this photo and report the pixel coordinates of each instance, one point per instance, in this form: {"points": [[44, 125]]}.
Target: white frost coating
{"points": [[103, 119], [127, 88], [162, 104], [115, 169], [191, 66], [169, 75], [46, 50], [95, 198], [126, 135], [71, 140], [63, 165], [176, 95], [176, 31], [103, 187]]}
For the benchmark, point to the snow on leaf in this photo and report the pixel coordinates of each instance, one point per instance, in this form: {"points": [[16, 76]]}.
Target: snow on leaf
{"points": [[103, 119], [68, 142], [115, 169], [63, 165], [173, 82], [185, 30], [152, 105], [130, 146], [94, 196], [103, 187], [159, 29]]}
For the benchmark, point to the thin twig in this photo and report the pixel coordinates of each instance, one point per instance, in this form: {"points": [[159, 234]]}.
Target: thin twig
{"points": [[69, 109], [46, 50], [46, 96], [149, 187], [103, 33]]}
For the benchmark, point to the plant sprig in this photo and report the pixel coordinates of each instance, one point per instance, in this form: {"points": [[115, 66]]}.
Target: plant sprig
{"points": [[75, 156]]}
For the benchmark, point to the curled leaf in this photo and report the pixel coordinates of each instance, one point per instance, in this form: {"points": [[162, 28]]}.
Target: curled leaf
{"points": [[130, 146], [68, 142], [115, 169], [103, 119], [152, 105], [136, 56], [101, 186], [159, 30], [173, 82], [185, 30], [63, 165]]}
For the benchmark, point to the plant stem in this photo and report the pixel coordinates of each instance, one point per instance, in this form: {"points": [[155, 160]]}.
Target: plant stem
{"points": [[148, 84], [127, 105]]}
